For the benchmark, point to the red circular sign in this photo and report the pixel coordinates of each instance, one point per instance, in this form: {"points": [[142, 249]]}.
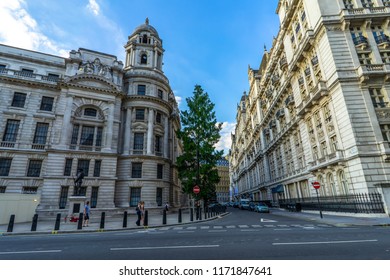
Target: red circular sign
{"points": [[316, 185], [196, 189]]}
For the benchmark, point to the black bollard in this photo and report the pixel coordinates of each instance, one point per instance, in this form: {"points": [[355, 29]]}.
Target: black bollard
{"points": [[200, 213], [192, 214], [11, 223], [102, 220], [146, 218], [34, 222], [125, 219], [205, 213], [164, 221], [179, 217], [80, 222], [58, 219]]}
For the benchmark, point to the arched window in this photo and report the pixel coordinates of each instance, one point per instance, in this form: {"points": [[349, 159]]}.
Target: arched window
{"points": [[321, 180], [144, 58], [87, 129], [343, 182], [145, 39], [332, 187]]}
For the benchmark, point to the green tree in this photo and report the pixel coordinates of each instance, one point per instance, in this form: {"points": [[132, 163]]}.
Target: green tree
{"points": [[199, 134]]}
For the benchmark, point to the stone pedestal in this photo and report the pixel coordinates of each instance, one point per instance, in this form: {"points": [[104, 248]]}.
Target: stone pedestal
{"points": [[76, 205]]}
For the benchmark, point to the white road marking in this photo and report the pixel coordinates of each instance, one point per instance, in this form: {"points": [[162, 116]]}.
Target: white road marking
{"points": [[164, 247], [326, 242], [218, 230], [30, 252], [267, 221]]}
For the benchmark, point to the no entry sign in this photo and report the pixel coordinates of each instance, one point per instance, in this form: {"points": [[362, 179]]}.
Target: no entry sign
{"points": [[196, 189], [316, 185]]}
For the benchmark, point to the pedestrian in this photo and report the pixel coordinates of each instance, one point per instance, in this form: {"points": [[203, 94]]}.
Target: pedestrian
{"points": [[138, 211], [166, 206], [87, 211], [142, 208]]}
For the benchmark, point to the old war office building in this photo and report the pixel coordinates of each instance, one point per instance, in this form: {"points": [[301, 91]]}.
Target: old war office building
{"points": [[115, 121], [318, 106]]}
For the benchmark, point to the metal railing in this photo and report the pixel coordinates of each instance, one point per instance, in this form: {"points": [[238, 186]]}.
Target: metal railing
{"points": [[354, 203]]}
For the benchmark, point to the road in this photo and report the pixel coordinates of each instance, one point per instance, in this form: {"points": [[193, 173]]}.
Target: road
{"points": [[238, 235]]}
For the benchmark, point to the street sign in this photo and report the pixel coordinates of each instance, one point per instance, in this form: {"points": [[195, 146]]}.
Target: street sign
{"points": [[316, 185], [196, 189]]}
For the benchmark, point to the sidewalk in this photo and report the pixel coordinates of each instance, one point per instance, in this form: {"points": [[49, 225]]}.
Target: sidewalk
{"points": [[156, 220], [110, 224], [336, 219]]}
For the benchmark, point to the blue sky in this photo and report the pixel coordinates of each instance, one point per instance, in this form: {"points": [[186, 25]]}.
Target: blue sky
{"points": [[206, 42]]}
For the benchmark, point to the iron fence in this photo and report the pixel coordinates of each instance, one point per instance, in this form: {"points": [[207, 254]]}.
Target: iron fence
{"points": [[354, 203]]}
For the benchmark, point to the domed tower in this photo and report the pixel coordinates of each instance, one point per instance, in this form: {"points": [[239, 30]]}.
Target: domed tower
{"points": [[149, 148]]}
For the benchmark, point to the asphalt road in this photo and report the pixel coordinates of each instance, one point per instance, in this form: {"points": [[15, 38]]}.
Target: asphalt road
{"points": [[236, 236]]}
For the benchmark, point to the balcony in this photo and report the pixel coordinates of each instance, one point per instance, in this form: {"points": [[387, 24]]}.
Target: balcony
{"points": [[318, 91], [383, 41], [360, 42], [280, 113], [364, 72], [29, 76], [335, 158], [289, 100]]}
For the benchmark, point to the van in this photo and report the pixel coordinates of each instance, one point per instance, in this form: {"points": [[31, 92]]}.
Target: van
{"points": [[244, 204]]}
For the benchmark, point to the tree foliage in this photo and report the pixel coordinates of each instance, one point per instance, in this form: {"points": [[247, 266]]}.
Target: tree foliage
{"points": [[199, 134]]}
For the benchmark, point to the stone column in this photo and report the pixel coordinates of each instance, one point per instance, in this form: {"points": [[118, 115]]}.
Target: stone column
{"points": [[126, 144], [110, 125], [166, 136], [67, 126], [149, 145]]}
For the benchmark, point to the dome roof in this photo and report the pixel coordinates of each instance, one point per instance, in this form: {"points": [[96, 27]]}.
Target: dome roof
{"points": [[146, 27]]}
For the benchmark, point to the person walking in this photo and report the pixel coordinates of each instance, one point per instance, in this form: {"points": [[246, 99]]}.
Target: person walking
{"points": [[87, 211], [139, 213]]}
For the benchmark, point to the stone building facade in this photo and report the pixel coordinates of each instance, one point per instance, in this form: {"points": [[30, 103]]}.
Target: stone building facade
{"points": [[89, 111], [222, 189], [318, 105]]}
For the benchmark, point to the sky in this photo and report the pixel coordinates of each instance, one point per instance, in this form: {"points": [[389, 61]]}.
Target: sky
{"points": [[210, 43]]}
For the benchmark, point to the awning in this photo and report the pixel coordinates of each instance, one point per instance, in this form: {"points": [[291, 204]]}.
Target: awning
{"points": [[278, 189]]}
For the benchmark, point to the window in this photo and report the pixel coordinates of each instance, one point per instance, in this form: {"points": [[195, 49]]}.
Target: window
{"points": [[158, 144], [11, 131], [160, 94], [343, 182], [144, 58], [357, 36], [159, 192], [87, 137], [47, 103], [333, 144], [135, 196], [84, 165], [94, 196], [136, 170], [385, 128], [40, 136], [97, 167], [327, 113], [364, 58], [68, 167], [19, 99], [5, 166], [348, 4], [138, 143], [140, 114], [160, 169], [367, 3], [324, 149], [2, 189], [34, 168], [63, 197], [386, 3], [141, 90], [158, 117], [53, 77], [385, 56], [90, 112], [331, 185], [377, 98]]}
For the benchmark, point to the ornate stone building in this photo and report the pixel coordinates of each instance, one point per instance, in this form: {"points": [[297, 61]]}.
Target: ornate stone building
{"points": [[318, 105], [89, 111]]}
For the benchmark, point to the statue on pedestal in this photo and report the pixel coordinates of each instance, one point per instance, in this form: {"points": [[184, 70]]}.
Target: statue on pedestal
{"points": [[78, 181]]}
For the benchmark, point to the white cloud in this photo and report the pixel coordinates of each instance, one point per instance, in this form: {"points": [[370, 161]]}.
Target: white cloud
{"points": [[225, 142], [178, 100], [93, 7], [19, 29]]}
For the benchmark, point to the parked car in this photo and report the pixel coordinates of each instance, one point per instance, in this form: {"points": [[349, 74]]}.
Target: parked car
{"points": [[262, 208], [252, 206], [244, 204]]}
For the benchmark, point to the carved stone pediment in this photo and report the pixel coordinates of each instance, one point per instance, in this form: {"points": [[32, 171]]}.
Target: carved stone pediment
{"points": [[92, 81]]}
